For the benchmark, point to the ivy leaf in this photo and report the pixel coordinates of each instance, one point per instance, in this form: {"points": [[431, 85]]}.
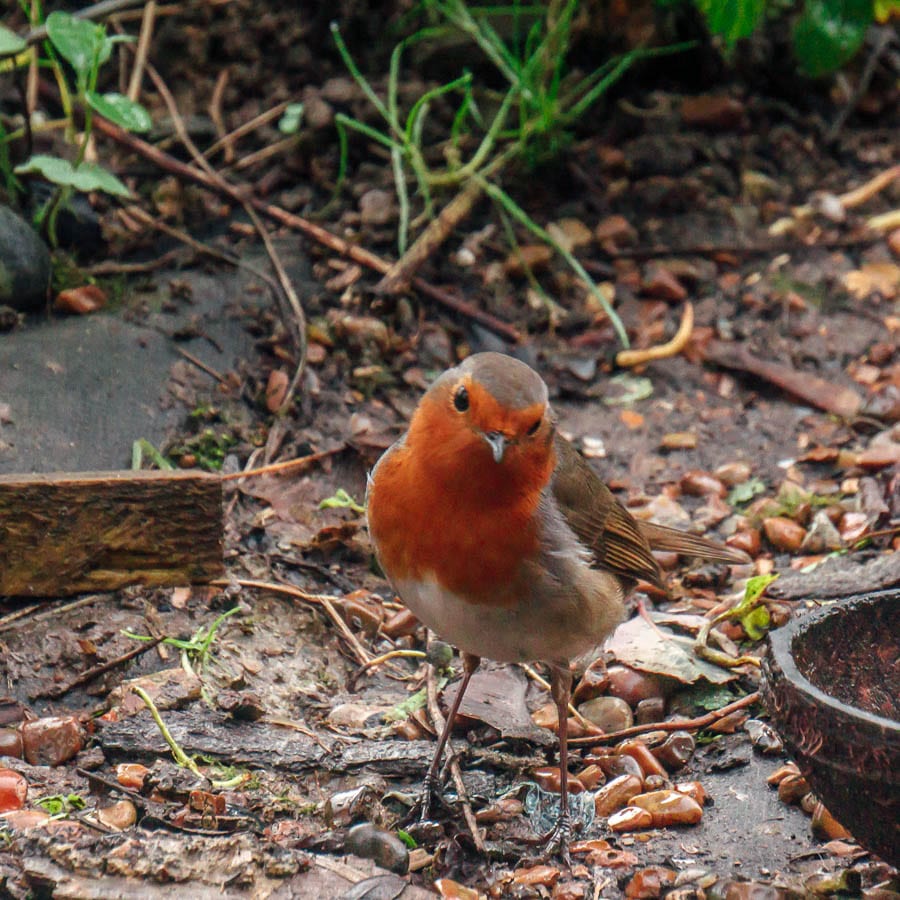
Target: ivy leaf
{"points": [[732, 19], [829, 32], [79, 42], [121, 111], [85, 178], [745, 492], [10, 42]]}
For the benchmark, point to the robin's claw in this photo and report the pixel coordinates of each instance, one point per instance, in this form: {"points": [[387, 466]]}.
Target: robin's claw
{"points": [[555, 843]]}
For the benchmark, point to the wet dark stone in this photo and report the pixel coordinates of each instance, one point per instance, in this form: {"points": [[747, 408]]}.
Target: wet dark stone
{"points": [[386, 849], [24, 264]]}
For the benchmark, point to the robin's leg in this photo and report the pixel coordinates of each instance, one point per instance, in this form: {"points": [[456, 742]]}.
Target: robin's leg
{"points": [[557, 839], [431, 785]]}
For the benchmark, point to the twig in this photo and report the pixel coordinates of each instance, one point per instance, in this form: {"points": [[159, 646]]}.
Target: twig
{"points": [[669, 725], [111, 267], [202, 366], [315, 232], [378, 660], [181, 758], [215, 112], [97, 671], [628, 358], [323, 600], [283, 468], [296, 326], [439, 723], [148, 20], [247, 128], [7, 623]]}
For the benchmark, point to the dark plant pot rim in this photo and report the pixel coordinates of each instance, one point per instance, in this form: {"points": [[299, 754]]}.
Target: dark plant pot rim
{"points": [[781, 648]]}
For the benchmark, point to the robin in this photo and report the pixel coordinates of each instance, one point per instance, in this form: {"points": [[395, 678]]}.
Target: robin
{"points": [[499, 537]]}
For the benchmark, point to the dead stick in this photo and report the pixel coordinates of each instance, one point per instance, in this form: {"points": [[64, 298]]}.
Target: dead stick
{"points": [[304, 226], [683, 725], [97, 671]]}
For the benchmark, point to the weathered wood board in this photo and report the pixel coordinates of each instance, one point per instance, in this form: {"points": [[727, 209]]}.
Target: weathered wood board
{"points": [[63, 534]]}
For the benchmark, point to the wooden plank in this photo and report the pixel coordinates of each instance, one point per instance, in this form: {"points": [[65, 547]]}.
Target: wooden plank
{"points": [[68, 533]]}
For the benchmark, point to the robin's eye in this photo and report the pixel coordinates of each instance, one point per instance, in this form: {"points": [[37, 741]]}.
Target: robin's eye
{"points": [[461, 400], [533, 429]]}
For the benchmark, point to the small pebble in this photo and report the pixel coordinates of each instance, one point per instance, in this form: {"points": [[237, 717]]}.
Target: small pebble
{"points": [[633, 686], [119, 816], [549, 779], [631, 818], [733, 473], [13, 790], [640, 752], [677, 749], [51, 741], [545, 876], [650, 710], [131, 775], [784, 534], [650, 883], [608, 713], [385, 848], [617, 793], [669, 808], [694, 790], [10, 743], [698, 484]]}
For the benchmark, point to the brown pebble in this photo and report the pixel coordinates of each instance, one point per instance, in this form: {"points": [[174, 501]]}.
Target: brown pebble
{"points": [[733, 473], [119, 816], [669, 808], [747, 540], [649, 883], [617, 793], [532, 257], [679, 440], [694, 790], [697, 483], [608, 713], [499, 811], [656, 783], [131, 775], [25, 819], [591, 776], [10, 743], [718, 112], [548, 778], [546, 716], [631, 818], [13, 790], [676, 750], [640, 752], [659, 282], [633, 686], [52, 740], [783, 533], [615, 230], [650, 710]]}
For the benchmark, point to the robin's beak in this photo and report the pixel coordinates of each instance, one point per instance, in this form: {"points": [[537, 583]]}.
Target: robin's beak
{"points": [[498, 443]]}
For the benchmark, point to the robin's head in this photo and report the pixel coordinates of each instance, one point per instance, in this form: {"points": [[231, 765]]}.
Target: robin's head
{"points": [[491, 412]]}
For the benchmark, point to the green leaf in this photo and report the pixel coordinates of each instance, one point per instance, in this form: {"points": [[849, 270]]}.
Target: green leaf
{"points": [[630, 389], [407, 839], [10, 42], [79, 42], [86, 177], [755, 588], [829, 32], [753, 616], [121, 111], [732, 19], [289, 123], [746, 491], [342, 500]]}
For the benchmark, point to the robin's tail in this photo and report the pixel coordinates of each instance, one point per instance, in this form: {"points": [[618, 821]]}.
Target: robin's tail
{"points": [[662, 538]]}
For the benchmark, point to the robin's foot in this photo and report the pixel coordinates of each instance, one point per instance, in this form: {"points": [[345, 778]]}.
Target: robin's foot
{"points": [[430, 798], [555, 843]]}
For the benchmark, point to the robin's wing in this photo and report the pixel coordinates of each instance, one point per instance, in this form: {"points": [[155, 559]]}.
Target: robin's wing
{"points": [[601, 523]]}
